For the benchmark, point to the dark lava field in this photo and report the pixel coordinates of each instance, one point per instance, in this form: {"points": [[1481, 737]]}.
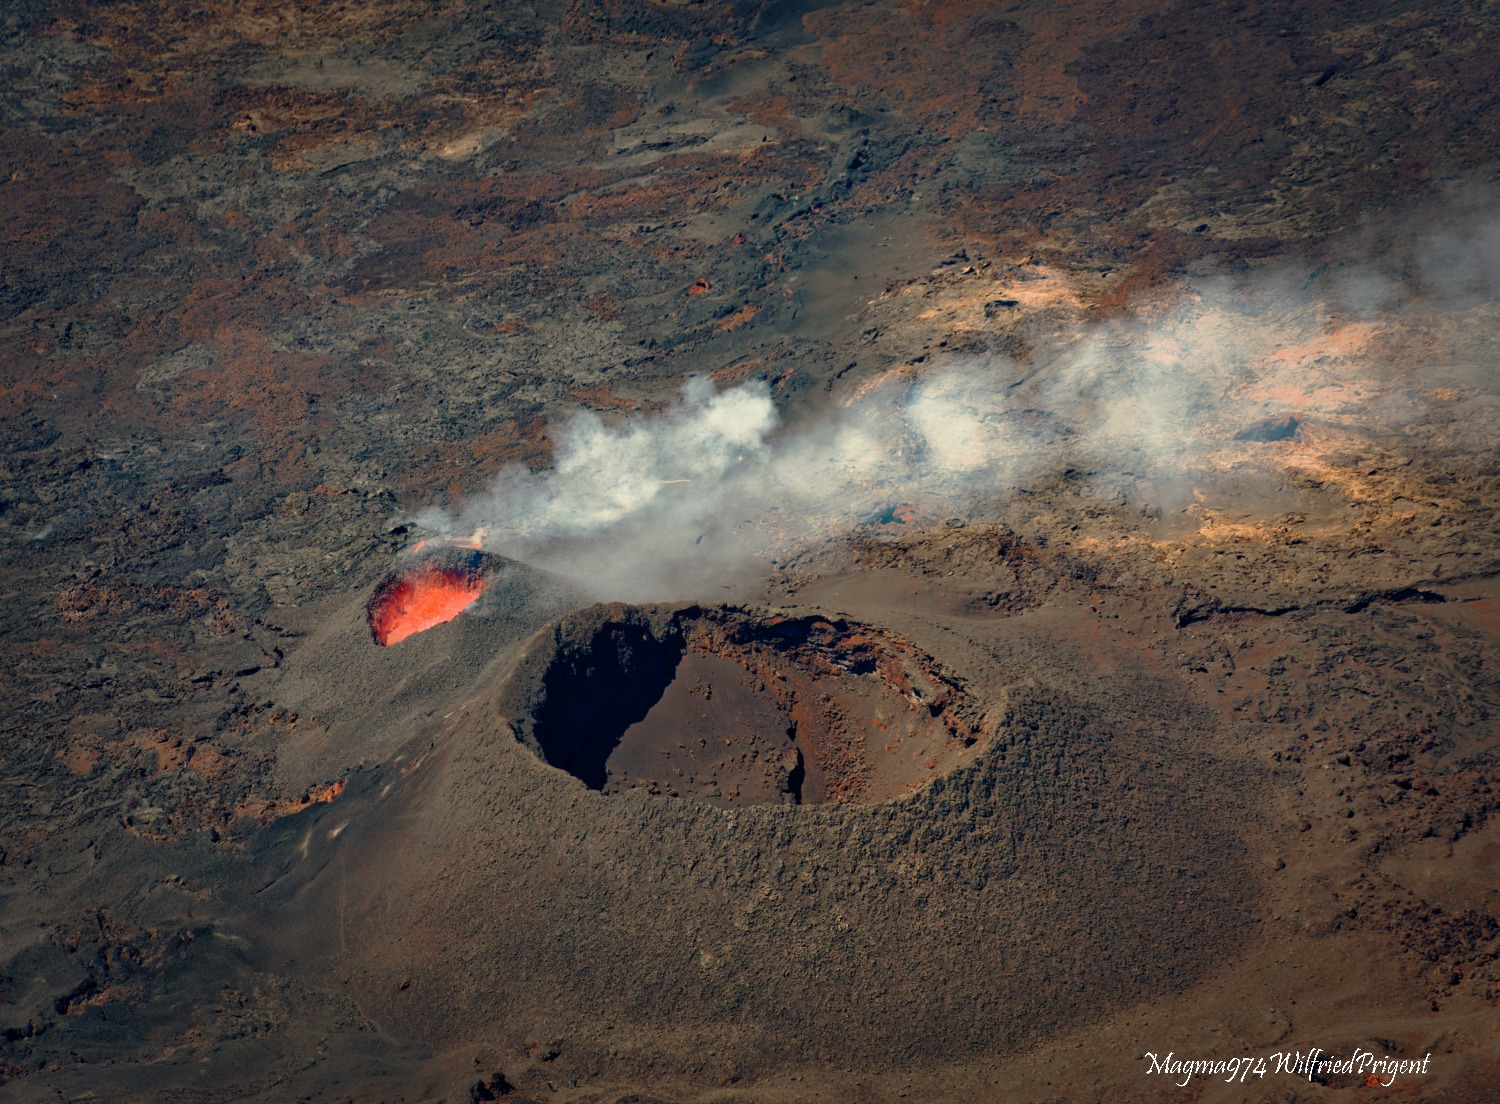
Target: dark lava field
{"points": [[749, 552]]}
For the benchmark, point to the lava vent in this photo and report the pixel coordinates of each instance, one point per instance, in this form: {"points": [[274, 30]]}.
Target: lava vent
{"points": [[722, 706], [434, 590]]}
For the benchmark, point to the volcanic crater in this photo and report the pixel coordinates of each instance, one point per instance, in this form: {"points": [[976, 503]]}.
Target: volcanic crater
{"points": [[428, 592], [731, 707]]}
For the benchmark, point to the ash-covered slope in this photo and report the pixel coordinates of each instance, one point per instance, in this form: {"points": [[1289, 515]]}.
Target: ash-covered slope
{"points": [[1019, 892]]}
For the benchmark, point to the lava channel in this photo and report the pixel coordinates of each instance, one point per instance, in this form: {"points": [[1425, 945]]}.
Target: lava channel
{"points": [[424, 595]]}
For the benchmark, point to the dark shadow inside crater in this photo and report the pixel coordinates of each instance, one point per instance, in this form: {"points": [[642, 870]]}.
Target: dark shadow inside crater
{"points": [[594, 694]]}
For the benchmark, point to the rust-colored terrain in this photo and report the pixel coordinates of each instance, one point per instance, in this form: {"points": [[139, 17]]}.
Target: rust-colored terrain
{"points": [[1112, 668]]}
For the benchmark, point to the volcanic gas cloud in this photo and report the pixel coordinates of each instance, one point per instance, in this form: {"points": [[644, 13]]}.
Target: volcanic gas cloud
{"points": [[426, 594]]}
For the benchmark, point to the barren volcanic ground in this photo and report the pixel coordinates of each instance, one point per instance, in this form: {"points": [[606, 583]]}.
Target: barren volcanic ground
{"points": [[745, 551]]}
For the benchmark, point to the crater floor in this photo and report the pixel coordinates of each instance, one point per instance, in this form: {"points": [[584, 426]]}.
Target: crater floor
{"points": [[721, 706]]}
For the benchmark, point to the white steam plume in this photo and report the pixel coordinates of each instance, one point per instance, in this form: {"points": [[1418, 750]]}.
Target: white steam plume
{"points": [[686, 504], [704, 497]]}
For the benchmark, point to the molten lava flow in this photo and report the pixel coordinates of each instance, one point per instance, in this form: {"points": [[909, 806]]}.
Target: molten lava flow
{"points": [[421, 598]]}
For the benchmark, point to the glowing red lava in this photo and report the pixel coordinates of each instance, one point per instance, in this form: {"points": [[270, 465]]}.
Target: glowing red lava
{"points": [[427, 595]]}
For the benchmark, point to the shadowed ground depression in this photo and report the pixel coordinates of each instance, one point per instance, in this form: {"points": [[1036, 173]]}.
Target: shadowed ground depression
{"points": [[747, 552], [735, 710]]}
